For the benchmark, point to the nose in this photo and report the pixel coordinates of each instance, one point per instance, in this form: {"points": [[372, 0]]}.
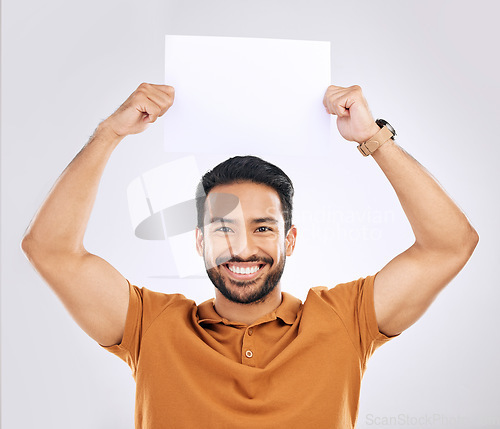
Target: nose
{"points": [[243, 245]]}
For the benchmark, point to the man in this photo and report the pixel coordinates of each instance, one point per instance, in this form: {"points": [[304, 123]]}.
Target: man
{"points": [[254, 357]]}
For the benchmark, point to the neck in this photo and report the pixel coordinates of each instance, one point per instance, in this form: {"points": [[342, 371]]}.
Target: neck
{"points": [[247, 313]]}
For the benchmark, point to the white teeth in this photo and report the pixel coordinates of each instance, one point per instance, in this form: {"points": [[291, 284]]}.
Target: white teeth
{"points": [[240, 270]]}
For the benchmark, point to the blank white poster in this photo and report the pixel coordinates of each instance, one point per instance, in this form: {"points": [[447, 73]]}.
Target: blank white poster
{"points": [[244, 95]]}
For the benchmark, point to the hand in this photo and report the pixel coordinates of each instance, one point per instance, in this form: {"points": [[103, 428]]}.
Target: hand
{"points": [[354, 120], [146, 104]]}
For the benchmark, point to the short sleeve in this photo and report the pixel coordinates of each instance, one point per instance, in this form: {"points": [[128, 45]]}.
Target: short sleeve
{"points": [[128, 349], [353, 303], [143, 308]]}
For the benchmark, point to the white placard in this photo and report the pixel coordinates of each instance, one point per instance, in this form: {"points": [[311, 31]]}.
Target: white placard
{"points": [[246, 96]]}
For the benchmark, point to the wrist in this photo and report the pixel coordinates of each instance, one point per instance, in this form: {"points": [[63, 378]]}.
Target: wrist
{"points": [[106, 133], [383, 132], [386, 147], [374, 129]]}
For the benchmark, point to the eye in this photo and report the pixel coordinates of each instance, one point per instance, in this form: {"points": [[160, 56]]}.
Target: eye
{"points": [[263, 229], [224, 229]]}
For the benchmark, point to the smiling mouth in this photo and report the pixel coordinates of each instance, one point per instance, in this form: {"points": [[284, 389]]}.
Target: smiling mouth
{"points": [[244, 271]]}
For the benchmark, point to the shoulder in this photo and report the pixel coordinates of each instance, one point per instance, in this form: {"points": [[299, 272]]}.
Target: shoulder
{"points": [[353, 287], [343, 295], [151, 303]]}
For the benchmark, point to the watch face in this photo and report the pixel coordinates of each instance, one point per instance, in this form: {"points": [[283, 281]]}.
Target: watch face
{"points": [[382, 122]]}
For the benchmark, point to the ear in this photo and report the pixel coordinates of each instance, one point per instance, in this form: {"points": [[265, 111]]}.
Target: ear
{"points": [[290, 239], [199, 241]]}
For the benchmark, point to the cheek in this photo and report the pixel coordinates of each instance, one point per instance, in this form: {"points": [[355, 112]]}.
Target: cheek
{"points": [[216, 250], [275, 247], [209, 257], [217, 245]]}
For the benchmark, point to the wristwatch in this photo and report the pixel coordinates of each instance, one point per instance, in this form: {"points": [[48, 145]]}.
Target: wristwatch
{"points": [[386, 133]]}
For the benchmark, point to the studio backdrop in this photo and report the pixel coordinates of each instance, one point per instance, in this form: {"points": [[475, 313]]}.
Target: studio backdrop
{"points": [[249, 79]]}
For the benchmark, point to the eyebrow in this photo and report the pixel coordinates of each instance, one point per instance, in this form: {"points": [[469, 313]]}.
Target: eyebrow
{"points": [[232, 221], [265, 220], [221, 220]]}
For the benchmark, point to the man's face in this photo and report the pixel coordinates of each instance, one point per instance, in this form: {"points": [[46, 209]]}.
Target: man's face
{"points": [[243, 244]]}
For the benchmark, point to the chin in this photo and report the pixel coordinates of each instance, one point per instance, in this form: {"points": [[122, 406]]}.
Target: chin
{"points": [[260, 289]]}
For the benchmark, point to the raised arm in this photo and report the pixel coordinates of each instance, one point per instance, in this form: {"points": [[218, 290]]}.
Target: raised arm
{"points": [[94, 293], [444, 238]]}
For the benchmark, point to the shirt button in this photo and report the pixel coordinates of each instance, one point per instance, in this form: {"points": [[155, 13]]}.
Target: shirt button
{"points": [[250, 331], [248, 353]]}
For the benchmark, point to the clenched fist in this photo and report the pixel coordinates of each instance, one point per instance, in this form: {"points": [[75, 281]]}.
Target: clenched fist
{"points": [[146, 104], [354, 119]]}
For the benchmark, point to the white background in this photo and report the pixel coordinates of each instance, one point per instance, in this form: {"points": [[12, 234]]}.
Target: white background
{"points": [[430, 68]]}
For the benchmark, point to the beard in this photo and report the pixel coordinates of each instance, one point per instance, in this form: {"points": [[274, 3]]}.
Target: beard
{"points": [[244, 292]]}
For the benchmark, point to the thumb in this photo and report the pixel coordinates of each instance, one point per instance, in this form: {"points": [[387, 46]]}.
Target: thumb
{"points": [[150, 114], [149, 118], [342, 111]]}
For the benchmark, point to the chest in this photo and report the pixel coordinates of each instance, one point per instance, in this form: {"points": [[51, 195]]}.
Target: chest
{"points": [[294, 371]]}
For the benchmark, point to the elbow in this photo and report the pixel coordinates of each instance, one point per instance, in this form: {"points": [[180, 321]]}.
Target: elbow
{"points": [[40, 251], [31, 249], [466, 246], [473, 239], [27, 245], [459, 244]]}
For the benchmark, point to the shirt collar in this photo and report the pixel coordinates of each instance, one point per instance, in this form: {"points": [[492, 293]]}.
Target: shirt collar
{"points": [[287, 311]]}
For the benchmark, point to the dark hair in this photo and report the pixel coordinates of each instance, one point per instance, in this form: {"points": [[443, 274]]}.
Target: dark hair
{"points": [[247, 169]]}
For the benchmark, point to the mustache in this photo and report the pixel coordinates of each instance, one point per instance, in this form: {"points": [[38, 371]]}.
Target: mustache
{"points": [[261, 259]]}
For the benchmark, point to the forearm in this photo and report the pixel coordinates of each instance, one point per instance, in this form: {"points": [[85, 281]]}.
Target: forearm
{"points": [[437, 222], [59, 225]]}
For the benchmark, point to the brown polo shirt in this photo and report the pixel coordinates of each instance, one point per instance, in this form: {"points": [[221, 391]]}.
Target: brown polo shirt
{"points": [[298, 367]]}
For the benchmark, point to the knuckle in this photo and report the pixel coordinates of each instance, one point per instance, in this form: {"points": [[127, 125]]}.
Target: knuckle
{"points": [[143, 88], [140, 91]]}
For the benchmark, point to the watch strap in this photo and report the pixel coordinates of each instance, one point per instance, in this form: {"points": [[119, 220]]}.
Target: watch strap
{"points": [[373, 143]]}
